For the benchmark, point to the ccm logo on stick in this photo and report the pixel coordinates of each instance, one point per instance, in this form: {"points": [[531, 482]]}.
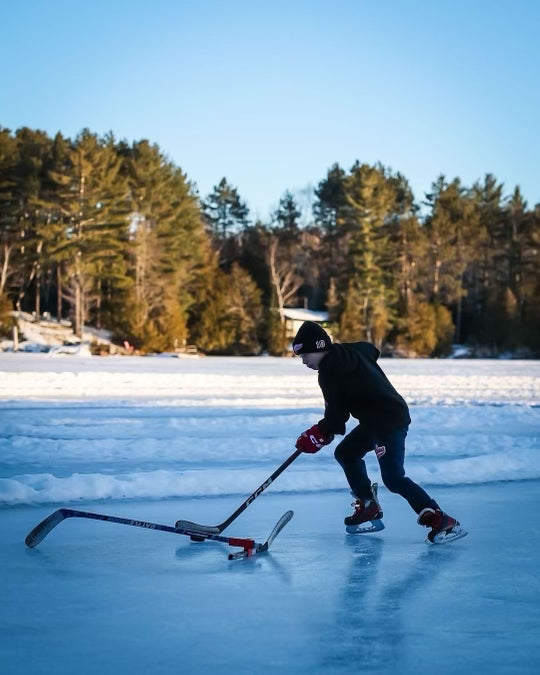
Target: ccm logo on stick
{"points": [[258, 492]]}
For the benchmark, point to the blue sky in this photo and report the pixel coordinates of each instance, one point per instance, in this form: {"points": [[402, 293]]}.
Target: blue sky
{"points": [[271, 93]]}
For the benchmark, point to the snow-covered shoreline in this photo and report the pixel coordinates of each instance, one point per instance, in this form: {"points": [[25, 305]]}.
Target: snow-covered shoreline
{"points": [[78, 429], [255, 381]]}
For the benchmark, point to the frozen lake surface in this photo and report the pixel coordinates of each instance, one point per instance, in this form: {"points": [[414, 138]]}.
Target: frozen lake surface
{"points": [[162, 438]]}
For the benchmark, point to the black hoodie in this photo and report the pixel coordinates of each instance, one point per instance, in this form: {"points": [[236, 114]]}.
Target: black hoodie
{"points": [[353, 384]]}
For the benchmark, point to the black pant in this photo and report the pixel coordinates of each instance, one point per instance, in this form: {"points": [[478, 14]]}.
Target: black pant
{"points": [[389, 447]]}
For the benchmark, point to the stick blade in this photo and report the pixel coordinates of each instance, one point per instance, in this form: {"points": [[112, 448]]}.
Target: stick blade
{"points": [[262, 548], [278, 527], [41, 530]]}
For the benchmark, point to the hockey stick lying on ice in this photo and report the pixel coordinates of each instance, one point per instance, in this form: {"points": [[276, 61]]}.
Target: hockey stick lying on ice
{"points": [[202, 530], [261, 548], [249, 546]]}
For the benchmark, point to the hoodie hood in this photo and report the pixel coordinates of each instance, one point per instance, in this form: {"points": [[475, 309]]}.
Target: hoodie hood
{"points": [[347, 357], [353, 384]]}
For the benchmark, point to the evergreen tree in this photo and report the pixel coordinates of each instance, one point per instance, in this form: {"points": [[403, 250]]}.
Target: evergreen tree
{"points": [[169, 249], [286, 216], [530, 282], [252, 254], [8, 206], [330, 215], [509, 264], [116, 231], [22, 218], [331, 201], [34, 149], [92, 195], [6, 322], [429, 330], [406, 249], [230, 316], [484, 295], [454, 237], [57, 170], [371, 202], [226, 216]]}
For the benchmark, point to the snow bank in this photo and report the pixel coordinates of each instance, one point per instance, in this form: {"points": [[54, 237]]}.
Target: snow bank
{"points": [[254, 382], [128, 428]]}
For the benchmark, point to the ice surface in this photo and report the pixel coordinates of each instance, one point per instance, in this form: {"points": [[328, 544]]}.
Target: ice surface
{"points": [[162, 439]]}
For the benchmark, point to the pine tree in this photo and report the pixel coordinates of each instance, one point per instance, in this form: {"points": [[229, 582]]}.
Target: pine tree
{"points": [[22, 217], [57, 169], [484, 295], [530, 282], [509, 262], [286, 217], [331, 201], [6, 321], [8, 207], [169, 249], [226, 216], [252, 255], [330, 215], [371, 203], [92, 195], [454, 238], [231, 313]]}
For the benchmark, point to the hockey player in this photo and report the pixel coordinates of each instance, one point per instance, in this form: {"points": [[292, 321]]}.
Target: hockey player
{"points": [[352, 383]]}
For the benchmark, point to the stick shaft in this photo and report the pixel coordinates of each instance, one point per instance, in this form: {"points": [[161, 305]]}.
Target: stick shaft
{"points": [[42, 529], [253, 496]]}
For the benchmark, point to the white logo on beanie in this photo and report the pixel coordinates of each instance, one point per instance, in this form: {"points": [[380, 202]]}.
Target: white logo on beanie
{"points": [[320, 344]]}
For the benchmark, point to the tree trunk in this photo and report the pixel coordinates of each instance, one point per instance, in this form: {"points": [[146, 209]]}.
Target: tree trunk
{"points": [[5, 268], [58, 293], [38, 294]]}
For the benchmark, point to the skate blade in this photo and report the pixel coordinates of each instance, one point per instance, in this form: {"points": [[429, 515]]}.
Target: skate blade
{"points": [[446, 536], [364, 528]]}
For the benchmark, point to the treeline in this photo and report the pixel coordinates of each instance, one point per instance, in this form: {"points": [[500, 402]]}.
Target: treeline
{"points": [[114, 235]]}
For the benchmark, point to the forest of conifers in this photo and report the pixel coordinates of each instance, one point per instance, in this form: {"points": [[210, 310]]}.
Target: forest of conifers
{"points": [[114, 235]]}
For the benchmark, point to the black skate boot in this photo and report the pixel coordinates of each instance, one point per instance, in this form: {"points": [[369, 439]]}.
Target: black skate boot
{"points": [[444, 528], [367, 516]]}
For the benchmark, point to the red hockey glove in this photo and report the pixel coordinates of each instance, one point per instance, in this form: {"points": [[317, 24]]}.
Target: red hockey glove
{"points": [[313, 440]]}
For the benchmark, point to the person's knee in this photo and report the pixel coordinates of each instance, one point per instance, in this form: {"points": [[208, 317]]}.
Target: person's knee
{"points": [[393, 481], [339, 453], [352, 448], [346, 452]]}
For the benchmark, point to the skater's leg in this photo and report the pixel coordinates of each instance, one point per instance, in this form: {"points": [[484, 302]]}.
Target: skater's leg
{"points": [[390, 452], [349, 454]]}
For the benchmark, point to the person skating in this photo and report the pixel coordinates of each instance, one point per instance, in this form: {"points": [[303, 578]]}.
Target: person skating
{"points": [[354, 385]]}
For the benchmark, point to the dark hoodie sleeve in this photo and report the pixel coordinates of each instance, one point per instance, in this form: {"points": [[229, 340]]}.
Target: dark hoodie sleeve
{"points": [[335, 414]]}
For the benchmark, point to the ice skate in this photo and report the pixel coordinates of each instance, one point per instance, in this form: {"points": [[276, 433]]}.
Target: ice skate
{"points": [[444, 528], [367, 516]]}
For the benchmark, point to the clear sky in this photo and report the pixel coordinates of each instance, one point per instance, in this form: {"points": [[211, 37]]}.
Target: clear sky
{"points": [[271, 93]]}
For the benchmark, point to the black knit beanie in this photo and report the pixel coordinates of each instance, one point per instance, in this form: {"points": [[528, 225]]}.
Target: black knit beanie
{"points": [[311, 338]]}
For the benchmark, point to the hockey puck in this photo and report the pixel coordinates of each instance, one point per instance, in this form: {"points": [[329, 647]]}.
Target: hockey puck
{"points": [[194, 537]]}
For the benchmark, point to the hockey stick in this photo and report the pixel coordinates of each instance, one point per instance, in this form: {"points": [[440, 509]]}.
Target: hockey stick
{"points": [[217, 529], [261, 548], [42, 529]]}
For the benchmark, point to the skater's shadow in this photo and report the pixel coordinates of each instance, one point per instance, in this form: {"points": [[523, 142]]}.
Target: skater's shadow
{"points": [[372, 622]]}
